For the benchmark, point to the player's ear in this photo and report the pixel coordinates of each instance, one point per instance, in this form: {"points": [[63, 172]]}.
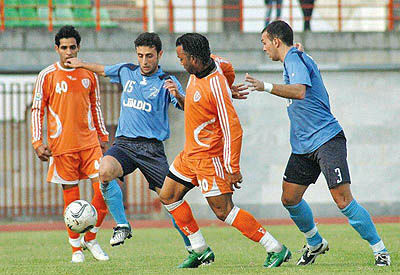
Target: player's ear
{"points": [[160, 54], [56, 47], [78, 47]]}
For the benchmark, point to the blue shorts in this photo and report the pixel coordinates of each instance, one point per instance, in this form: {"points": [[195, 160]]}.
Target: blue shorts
{"points": [[330, 158], [146, 154]]}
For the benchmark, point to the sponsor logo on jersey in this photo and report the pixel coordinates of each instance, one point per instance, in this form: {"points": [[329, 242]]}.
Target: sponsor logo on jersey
{"points": [[85, 83], [197, 96], [154, 92], [137, 104], [143, 82]]}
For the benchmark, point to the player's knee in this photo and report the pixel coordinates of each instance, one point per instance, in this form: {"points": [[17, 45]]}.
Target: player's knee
{"points": [[342, 203], [167, 198], [288, 201]]}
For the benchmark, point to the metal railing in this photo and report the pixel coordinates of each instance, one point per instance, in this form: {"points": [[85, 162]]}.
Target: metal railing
{"points": [[24, 191], [216, 16]]}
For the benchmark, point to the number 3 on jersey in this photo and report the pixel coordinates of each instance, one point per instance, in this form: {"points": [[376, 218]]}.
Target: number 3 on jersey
{"points": [[61, 87]]}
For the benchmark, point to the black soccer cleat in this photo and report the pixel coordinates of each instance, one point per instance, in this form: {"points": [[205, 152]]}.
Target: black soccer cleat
{"points": [[382, 259], [309, 255]]}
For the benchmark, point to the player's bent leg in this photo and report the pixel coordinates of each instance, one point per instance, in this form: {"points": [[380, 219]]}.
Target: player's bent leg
{"points": [[110, 169], [186, 240], [301, 214], [361, 221], [242, 220], [171, 196]]}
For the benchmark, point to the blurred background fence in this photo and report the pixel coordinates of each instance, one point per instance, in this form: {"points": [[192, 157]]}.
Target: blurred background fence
{"points": [[198, 15]]}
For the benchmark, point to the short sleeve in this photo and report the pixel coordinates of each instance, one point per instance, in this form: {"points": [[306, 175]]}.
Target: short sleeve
{"points": [[297, 71], [112, 72]]}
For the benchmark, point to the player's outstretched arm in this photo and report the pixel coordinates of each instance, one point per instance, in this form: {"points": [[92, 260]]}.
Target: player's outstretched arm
{"points": [[292, 91], [78, 63]]}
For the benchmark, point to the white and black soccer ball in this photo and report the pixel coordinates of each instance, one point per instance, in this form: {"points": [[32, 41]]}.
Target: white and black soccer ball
{"points": [[80, 216]]}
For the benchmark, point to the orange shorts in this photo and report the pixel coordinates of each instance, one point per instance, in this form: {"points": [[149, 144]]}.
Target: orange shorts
{"points": [[71, 167], [207, 174]]}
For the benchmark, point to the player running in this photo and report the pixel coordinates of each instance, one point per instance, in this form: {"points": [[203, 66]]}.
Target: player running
{"points": [[210, 158], [318, 144], [75, 125]]}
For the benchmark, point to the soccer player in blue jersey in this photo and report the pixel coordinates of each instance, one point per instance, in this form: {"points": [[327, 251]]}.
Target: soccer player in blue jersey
{"points": [[318, 144], [142, 126]]}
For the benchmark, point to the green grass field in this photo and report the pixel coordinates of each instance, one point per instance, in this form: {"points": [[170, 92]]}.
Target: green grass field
{"points": [[159, 251]]}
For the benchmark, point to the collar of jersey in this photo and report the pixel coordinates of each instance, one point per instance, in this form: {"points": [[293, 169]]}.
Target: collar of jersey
{"points": [[64, 69], [157, 73], [207, 70]]}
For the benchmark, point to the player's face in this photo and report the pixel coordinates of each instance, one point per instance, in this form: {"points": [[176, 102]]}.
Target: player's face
{"points": [[187, 61], [269, 47], [148, 59], [68, 48]]}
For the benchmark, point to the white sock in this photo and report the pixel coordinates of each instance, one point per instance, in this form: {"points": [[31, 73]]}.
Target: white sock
{"points": [[378, 247], [75, 242], [198, 242], [270, 243]]}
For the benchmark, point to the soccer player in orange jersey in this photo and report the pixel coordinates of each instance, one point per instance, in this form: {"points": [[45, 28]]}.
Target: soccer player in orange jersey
{"points": [[76, 133], [210, 158]]}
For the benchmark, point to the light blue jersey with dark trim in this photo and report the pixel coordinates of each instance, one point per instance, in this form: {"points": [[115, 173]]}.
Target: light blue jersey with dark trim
{"points": [[311, 121], [144, 101]]}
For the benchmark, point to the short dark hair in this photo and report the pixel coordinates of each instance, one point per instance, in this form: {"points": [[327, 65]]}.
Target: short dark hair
{"points": [[280, 29], [149, 39], [67, 31], [196, 45]]}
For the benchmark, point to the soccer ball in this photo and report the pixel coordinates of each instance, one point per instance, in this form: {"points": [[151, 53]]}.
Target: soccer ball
{"points": [[80, 216]]}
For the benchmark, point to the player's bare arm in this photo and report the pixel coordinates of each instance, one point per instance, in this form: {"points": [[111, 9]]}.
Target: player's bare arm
{"points": [[292, 91], [43, 152], [171, 86], [239, 91], [78, 63]]}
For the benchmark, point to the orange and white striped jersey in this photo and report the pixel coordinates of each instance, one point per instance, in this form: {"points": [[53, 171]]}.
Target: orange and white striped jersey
{"points": [[74, 118], [212, 127], [226, 67]]}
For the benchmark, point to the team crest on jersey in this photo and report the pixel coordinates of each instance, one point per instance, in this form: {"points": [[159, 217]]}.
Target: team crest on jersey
{"points": [[197, 96], [86, 82]]}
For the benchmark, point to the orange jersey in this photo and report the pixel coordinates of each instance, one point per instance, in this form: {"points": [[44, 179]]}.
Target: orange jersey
{"points": [[227, 68], [212, 127], [74, 118]]}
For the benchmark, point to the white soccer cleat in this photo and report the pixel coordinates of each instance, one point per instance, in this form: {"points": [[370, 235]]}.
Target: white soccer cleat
{"points": [[120, 234], [94, 248], [78, 257]]}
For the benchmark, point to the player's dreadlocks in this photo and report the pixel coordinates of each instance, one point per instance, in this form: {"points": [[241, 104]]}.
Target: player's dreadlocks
{"points": [[68, 31], [196, 45]]}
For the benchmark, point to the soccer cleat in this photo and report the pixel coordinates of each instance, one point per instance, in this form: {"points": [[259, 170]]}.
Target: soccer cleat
{"points": [[78, 257], [194, 259], [382, 259], [94, 248], [120, 234], [309, 255], [275, 259]]}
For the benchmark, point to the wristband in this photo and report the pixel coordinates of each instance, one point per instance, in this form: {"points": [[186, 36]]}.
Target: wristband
{"points": [[268, 87]]}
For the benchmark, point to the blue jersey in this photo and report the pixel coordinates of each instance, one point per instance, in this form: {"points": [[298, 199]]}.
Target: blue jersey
{"points": [[144, 101], [311, 121]]}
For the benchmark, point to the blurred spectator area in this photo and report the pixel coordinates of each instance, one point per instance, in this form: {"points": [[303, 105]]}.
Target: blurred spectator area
{"points": [[197, 15]]}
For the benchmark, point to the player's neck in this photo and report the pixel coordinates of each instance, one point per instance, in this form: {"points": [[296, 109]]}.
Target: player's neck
{"points": [[283, 50], [206, 70]]}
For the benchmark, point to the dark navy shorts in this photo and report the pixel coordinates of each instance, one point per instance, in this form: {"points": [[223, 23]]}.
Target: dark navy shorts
{"points": [[330, 158], [146, 154]]}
